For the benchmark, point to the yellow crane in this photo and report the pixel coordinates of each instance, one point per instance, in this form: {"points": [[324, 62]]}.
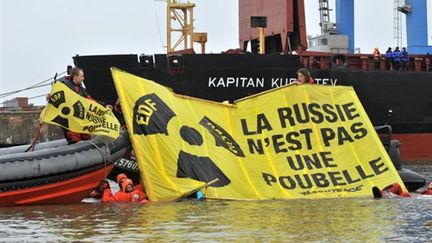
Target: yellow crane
{"points": [[180, 20]]}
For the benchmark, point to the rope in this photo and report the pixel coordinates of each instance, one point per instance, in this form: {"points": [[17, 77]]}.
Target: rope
{"points": [[34, 97], [105, 154], [35, 139], [20, 90], [34, 86]]}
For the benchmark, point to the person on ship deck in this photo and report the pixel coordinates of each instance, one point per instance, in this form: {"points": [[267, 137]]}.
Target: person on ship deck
{"points": [[428, 61], [376, 57], [404, 59], [389, 59], [304, 76], [396, 59]]}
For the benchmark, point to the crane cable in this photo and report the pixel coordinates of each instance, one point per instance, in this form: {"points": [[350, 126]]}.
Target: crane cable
{"points": [[158, 25], [37, 96]]}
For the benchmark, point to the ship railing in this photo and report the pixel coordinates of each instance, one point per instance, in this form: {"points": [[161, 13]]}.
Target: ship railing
{"points": [[365, 62]]}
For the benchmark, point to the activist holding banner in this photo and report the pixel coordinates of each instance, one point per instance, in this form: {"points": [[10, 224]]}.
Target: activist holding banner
{"points": [[314, 142], [304, 77], [71, 107]]}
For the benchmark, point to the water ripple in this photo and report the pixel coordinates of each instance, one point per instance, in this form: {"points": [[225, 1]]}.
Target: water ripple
{"points": [[340, 220]]}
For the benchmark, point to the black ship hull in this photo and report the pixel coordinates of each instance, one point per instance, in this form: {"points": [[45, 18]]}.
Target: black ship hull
{"points": [[222, 77]]}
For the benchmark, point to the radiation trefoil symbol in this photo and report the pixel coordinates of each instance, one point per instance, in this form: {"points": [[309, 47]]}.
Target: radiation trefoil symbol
{"points": [[58, 100], [152, 115]]}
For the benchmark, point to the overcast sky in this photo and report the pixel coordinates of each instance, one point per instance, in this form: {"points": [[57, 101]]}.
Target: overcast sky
{"points": [[38, 38]]}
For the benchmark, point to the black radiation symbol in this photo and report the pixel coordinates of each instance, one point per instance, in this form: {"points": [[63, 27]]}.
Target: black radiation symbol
{"points": [[197, 167], [58, 100], [61, 120], [151, 115]]}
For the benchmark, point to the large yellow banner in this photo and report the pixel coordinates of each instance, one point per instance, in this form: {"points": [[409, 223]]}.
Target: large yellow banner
{"points": [[71, 111], [299, 141]]}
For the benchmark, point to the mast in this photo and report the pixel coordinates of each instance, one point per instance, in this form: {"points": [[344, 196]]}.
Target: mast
{"points": [[179, 21], [325, 24]]}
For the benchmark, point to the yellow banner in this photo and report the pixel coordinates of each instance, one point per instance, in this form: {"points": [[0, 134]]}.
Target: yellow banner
{"points": [[300, 141], [71, 111]]}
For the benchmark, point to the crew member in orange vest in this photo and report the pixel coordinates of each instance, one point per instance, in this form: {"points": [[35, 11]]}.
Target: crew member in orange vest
{"points": [[104, 184], [120, 177], [128, 193], [376, 57]]}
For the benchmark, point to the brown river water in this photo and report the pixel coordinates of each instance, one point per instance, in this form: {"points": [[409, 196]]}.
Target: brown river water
{"points": [[335, 220]]}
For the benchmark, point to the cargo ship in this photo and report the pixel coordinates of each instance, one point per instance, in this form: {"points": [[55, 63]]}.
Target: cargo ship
{"points": [[273, 45]]}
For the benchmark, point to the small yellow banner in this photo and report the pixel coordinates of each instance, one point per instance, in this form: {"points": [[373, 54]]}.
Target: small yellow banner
{"points": [[71, 111], [299, 141]]}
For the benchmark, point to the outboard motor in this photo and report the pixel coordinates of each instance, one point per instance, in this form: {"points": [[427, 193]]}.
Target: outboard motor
{"points": [[411, 179], [394, 154]]}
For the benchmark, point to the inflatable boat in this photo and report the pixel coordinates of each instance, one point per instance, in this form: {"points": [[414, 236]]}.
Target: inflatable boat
{"points": [[56, 172]]}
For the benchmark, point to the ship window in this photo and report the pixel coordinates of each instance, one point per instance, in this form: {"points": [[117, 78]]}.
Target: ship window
{"points": [[324, 41]]}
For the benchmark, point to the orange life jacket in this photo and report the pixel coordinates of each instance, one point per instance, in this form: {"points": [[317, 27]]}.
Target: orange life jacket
{"points": [[134, 196]]}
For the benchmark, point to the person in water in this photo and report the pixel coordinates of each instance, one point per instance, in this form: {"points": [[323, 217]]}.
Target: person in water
{"points": [[395, 189], [120, 178], [304, 76], [104, 184], [428, 190], [128, 193]]}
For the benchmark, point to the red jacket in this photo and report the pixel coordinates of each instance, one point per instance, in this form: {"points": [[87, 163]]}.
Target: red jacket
{"points": [[427, 192], [73, 137], [134, 196], [397, 190]]}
